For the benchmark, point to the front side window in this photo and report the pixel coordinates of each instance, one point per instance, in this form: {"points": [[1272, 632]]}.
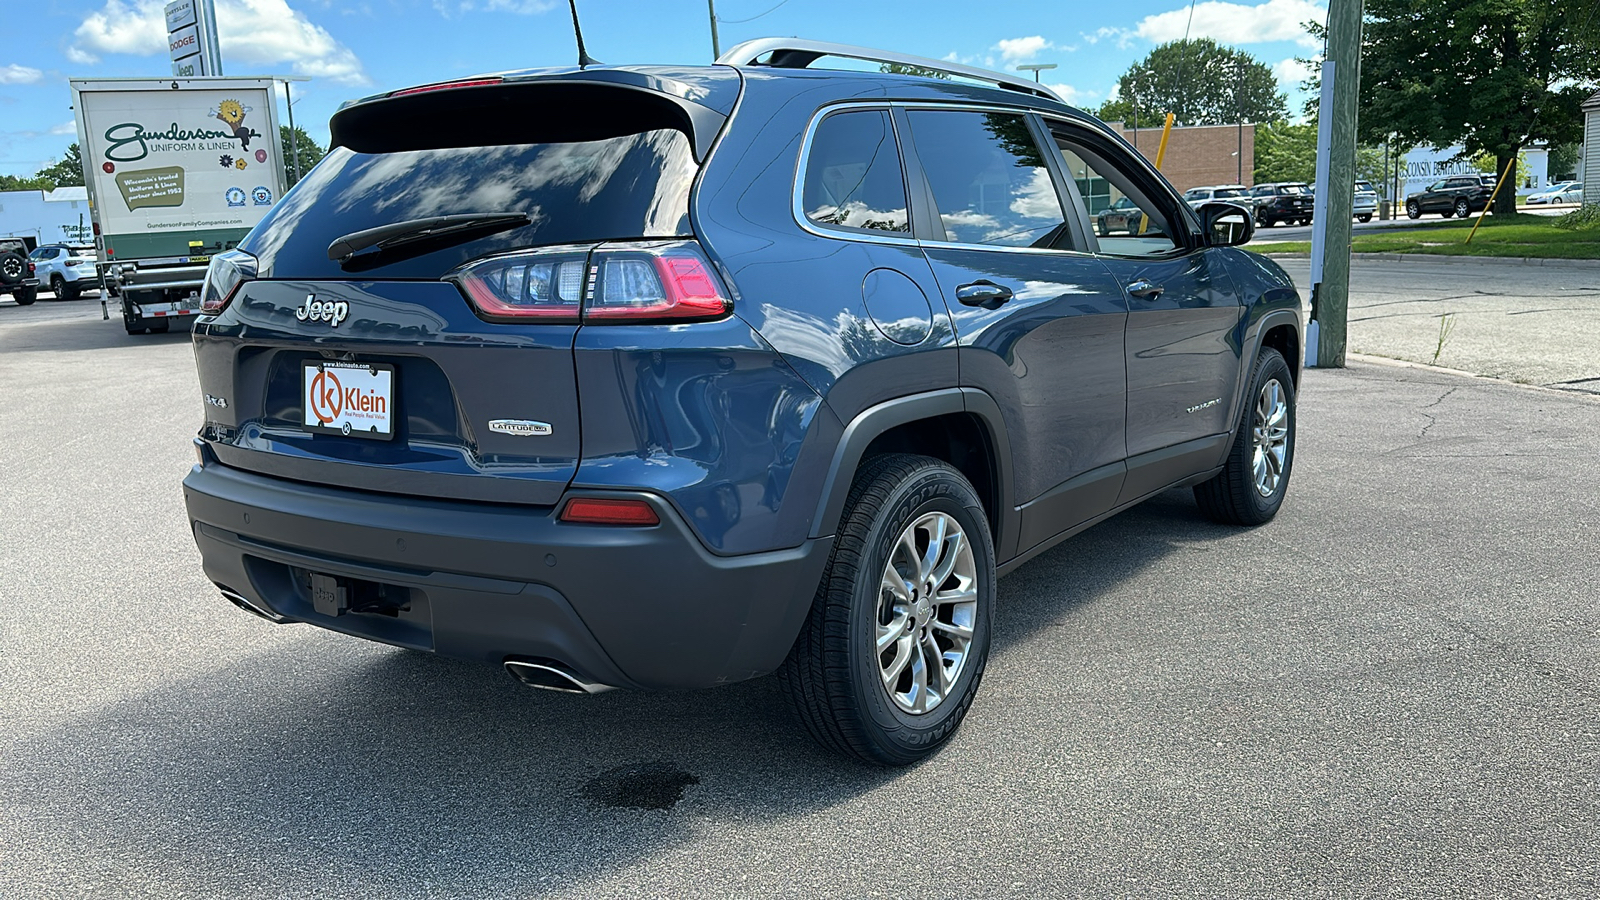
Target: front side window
{"points": [[989, 179], [1126, 220], [853, 178]]}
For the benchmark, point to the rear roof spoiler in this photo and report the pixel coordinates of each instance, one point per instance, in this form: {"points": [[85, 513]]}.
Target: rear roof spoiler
{"points": [[524, 109]]}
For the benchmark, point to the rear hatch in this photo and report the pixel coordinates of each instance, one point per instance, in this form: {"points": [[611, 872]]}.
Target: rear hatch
{"points": [[374, 371]]}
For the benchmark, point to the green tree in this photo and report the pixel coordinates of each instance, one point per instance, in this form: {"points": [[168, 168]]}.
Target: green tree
{"points": [[1563, 161], [1286, 152], [310, 153], [66, 173], [1200, 82], [18, 183], [1492, 75]]}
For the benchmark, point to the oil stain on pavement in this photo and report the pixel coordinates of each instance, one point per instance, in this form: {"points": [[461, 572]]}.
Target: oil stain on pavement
{"points": [[651, 785]]}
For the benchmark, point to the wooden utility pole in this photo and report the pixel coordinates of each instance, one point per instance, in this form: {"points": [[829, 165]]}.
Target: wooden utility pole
{"points": [[716, 45], [1336, 163]]}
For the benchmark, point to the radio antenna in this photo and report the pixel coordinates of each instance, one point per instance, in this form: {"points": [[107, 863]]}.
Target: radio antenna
{"points": [[584, 59]]}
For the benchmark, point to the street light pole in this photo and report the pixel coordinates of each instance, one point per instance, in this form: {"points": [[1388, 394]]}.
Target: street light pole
{"points": [[1035, 68], [1238, 100], [1133, 88]]}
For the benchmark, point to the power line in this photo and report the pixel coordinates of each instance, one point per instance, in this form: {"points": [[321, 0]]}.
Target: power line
{"points": [[752, 18]]}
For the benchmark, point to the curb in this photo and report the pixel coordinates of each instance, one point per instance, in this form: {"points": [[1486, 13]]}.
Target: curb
{"points": [[1393, 363], [1441, 257]]}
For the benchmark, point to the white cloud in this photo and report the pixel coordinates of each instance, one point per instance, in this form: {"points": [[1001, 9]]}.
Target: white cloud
{"points": [[253, 34], [65, 128], [15, 74], [1022, 49], [1290, 72], [1124, 37], [1074, 96], [520, 7], [1235, 23]]}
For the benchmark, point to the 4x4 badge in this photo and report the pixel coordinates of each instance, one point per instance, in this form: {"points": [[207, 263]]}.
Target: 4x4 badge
{"points": [[520, 427]]}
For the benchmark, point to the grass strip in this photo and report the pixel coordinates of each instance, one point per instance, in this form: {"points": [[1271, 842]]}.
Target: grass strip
{"points": [[1537, 237]]}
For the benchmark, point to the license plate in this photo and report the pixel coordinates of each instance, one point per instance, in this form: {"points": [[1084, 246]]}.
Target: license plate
{"points": [[353, 399]]}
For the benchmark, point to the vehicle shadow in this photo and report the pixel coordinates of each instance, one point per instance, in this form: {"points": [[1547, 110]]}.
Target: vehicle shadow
{"points": [[81, 332], [323, 760]]}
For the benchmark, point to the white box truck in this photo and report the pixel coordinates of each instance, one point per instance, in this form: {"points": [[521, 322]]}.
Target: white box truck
{"points": [[177, 169]]}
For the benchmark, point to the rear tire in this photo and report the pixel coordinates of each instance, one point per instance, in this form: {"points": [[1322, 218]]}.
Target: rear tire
{"points": [[1463, 209], [25, 296], [1364, 219], [852, 700], [1251, 486], [1413, 210]]}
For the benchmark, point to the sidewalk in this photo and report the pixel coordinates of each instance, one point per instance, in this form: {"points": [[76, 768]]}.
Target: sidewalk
{"points": [[1527, 324]]}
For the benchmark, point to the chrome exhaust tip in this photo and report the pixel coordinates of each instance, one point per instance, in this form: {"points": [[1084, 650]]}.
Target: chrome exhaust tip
{"points": [[553, 676], [244, 603]]}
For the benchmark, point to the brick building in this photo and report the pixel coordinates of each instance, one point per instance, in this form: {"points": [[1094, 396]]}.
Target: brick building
{"points": [[1199, 155]]}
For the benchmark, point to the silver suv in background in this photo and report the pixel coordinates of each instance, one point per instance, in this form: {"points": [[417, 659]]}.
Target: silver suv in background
{"points": [[66, 270], [1221, 193], [1366, 201]]}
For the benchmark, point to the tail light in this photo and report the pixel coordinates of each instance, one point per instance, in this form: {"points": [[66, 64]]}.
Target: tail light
{"points": [[226, 272], [662, 281], [545, 284]]}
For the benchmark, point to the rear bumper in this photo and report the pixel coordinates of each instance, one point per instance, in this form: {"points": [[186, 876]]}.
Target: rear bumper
{"points": [[645, 608]]}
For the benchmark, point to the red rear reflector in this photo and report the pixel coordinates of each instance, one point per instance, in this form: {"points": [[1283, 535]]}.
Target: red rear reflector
{"points": [[449, 85], [597, 511]]}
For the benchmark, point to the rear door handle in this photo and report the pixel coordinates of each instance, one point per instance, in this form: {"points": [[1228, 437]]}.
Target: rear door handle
{"points": [[1144, 290], [986, 294]]}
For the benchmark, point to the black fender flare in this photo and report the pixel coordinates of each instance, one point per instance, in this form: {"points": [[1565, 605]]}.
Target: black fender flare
{"points": [[1255, 331], [875, 420]]}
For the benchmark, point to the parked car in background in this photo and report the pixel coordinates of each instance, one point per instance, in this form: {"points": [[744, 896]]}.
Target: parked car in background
{"points": [[17, 277], [1222, 193], [820, 413], [1365, 205], [1458, 195], [65, 270], [1120, 217], [1288, 201], [1565, 192]]}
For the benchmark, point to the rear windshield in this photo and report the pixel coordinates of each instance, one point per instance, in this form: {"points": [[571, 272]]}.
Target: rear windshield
{"points": [[622, 187]]}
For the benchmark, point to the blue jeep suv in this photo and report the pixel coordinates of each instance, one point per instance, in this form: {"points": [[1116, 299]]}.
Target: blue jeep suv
{"points": [[667, 377]]}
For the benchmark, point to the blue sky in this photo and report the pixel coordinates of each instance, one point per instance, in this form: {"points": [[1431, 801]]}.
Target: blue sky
{"points": [[352, 49]]}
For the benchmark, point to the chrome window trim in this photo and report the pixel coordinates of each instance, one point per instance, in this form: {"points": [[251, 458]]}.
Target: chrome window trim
{"points": [[797, 190]]}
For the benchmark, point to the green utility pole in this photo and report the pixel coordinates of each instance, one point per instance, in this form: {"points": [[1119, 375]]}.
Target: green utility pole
{"points": [[716, 45], [1336, 127]]}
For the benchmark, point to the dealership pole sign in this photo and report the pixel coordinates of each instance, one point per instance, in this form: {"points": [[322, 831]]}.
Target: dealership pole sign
{"points": [[192, 38]]}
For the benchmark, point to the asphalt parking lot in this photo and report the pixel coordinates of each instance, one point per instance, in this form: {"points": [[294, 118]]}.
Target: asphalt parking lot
{"points": [[1391, 689]]}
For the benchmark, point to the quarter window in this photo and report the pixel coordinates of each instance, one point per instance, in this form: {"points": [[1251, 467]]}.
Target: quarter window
{"points": [[853, 176], [989, 179]]}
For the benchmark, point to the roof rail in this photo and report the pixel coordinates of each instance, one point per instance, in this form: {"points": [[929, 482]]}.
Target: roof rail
{"points": [[798, 53]]}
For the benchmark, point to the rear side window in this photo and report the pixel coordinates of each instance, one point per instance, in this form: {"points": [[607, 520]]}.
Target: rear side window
{"points": [[853, 176], [989, 178], [631, 186]]}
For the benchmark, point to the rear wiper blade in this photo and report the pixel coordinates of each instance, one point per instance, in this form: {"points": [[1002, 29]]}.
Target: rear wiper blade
{"points": [[467, 227]]}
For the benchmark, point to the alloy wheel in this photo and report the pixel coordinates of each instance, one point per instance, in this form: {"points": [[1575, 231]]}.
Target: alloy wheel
{"points": [[927, 608], [1270, 438]]}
